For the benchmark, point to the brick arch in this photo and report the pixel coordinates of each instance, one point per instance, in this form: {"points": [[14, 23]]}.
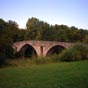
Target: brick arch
{"points": [[29, 47], [55, 49]]}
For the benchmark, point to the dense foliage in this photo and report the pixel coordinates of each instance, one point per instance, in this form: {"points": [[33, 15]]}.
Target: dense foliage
{"points": [[40, 30], [36, 30], [75, 53]]}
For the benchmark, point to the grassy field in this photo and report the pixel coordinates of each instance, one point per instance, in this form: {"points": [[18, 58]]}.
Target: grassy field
{"points": [[54, 75]]}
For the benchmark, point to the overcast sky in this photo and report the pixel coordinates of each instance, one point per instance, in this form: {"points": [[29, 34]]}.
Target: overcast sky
{"points": [[67, 12]]}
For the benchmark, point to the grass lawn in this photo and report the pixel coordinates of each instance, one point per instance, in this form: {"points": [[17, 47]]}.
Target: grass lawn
{"points": [[54, 75]]}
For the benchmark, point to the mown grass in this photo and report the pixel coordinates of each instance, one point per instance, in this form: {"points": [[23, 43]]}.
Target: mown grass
{"points": [[52, 75]]}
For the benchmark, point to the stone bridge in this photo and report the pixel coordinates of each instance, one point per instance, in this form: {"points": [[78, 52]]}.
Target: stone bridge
{"points": [[40, 48]]}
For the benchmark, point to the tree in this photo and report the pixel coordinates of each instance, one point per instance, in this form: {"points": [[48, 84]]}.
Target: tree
{"points": [[5, 48], [61, 33], [32, 28], [38, 30], [12, 25], [48, 34], [74, 34], [7, 30]]}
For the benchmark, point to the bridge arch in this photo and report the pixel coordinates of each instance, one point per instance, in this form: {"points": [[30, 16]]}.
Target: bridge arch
{"points": [[41, 48], [56, 49], [27, 50]]}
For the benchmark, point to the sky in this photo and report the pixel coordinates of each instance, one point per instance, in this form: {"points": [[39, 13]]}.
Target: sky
{"points": [[67, 12]]}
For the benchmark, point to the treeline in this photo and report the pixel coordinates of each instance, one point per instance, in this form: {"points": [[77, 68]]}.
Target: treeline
{"points": [[40, 30], [36, 30]]}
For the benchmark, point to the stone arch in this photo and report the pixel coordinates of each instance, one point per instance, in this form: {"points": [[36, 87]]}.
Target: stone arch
{"points": [[56, 49], [27, 50]]}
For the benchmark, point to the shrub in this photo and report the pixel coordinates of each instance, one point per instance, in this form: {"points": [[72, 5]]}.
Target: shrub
{"points": [[5, 53], [9, 52], [41, 60], [77, 52], [2, 59], [83, 49], [54, 58]]}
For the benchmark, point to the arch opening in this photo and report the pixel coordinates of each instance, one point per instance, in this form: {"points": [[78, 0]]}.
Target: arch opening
{"points": [[55, 50], [27, 51]]}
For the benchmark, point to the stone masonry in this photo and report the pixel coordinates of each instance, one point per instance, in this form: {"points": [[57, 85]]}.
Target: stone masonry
{"points": [[41, 47]]}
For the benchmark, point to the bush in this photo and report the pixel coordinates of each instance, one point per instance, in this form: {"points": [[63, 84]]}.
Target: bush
{"points": [[9, 52], [53, 58], [76, 53], [5, 53], [2, 59], [83, 50], [40, 60]]}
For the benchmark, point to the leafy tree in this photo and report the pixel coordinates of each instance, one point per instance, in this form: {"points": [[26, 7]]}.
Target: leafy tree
{"points": [[61, 34], [5, 48], [48, 34], [7, 30], [32, 31], [74, 34], [38, 30]]}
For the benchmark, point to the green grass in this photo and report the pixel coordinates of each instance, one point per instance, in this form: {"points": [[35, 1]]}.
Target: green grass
{"points": [[54, 75]]}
